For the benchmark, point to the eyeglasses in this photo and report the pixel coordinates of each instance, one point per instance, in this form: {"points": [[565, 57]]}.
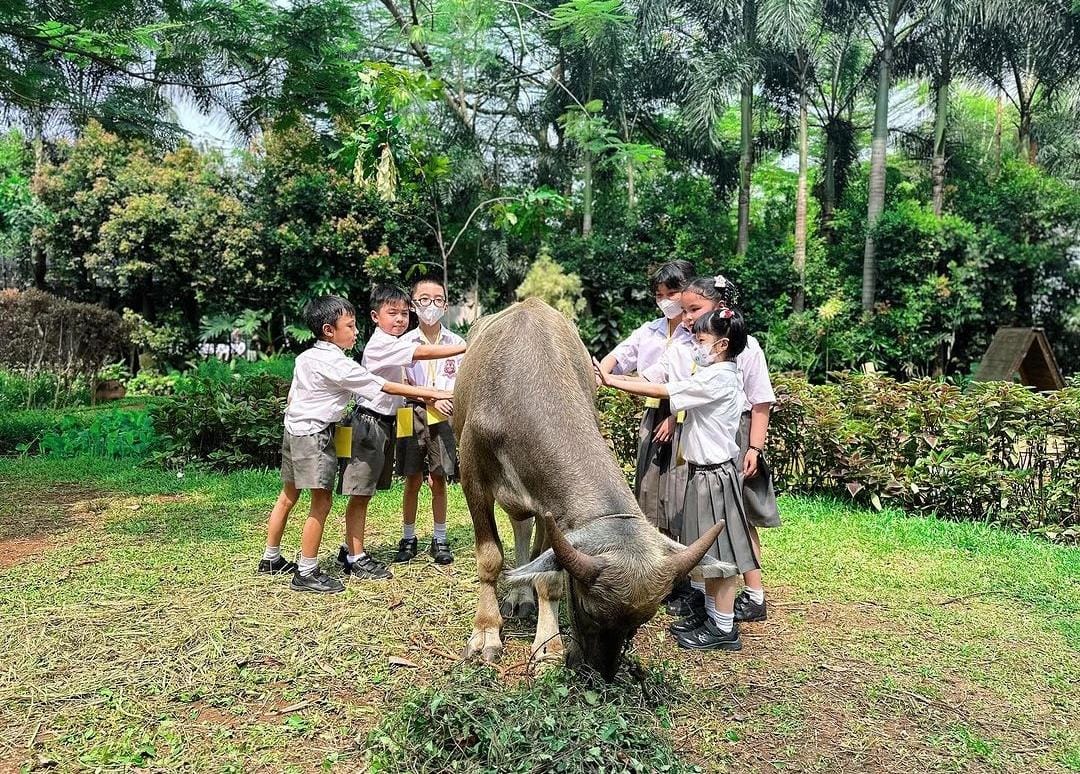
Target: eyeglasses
{"points": [[425, 301]]}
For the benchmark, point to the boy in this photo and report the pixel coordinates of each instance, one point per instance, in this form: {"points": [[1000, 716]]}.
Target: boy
{"points": [[324, 381], [375, 423], [431, 449]]}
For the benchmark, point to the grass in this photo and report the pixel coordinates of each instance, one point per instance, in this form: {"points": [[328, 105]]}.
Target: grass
{"points": [[136, 636]]}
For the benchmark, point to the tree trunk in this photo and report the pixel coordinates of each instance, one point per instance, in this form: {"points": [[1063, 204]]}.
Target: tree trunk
{"points": [[587, 204], [876, 200], [799, 302], [1027, 149], [937, 167], [999, 115], [37, 250], [828, 200], [746, 161]]}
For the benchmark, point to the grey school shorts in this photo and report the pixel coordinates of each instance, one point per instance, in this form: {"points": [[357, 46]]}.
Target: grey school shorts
{"points": [[430, 449], [371, 466], [309, 461]]}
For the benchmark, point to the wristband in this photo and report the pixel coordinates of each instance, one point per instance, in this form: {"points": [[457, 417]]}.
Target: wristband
{"points": [[758, 449]]}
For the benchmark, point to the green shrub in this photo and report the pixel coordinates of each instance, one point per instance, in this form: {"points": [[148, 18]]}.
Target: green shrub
{"points": [[43, 389], [620, 416], [113, 432], [562, 722], [226, 424]]}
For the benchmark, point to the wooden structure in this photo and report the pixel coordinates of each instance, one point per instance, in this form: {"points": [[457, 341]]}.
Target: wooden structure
{"points": [[1023, 351]]}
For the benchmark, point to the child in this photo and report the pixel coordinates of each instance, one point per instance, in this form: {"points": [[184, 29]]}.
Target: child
{"points": [[712, 399], [657, 481], [378, 420], [431, 448], [701, 296], [324, 381]]}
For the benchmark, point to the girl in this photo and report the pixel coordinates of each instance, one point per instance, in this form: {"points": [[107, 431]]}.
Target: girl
{"points": [[713, 400], [656, 476], [699, 297]]}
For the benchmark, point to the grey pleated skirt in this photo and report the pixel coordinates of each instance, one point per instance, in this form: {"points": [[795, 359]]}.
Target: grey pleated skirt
{"points": [[759, 497], [659, 481], [712, 494]]}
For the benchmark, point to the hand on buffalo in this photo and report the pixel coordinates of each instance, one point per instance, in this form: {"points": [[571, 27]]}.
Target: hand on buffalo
{"points": [[445, 407], [601, 377], [664, 431]]}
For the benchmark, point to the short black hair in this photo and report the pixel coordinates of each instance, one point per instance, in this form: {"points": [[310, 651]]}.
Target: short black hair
{"points": [[388, 294], [718, 289], [726, 324], [672, 274], [433, 280], [325, 310]]}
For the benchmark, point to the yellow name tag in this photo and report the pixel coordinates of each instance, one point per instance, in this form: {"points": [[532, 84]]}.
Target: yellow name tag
{"points": [[652, 403], [434, 416], [680, 417], [404, 422], [343, 441]]}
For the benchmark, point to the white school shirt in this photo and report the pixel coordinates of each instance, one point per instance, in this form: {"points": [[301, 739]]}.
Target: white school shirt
{"points": [[757, 386], [713, 401], [387, 356], [440, 374], [324, 380], [646, 346]]}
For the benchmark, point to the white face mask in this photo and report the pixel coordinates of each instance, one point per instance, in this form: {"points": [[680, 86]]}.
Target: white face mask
{"points": [[429, 315], [670, 307], [703, 355]]}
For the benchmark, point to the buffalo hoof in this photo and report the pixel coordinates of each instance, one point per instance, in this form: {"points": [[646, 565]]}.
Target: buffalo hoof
{"points": [[519, 603], [484, 643]]}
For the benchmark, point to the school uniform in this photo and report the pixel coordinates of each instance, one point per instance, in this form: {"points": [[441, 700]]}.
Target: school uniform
{"points": [[713, 399], [324, 380], [653, 481], [431, 447], [374, 424], [759, 496]]}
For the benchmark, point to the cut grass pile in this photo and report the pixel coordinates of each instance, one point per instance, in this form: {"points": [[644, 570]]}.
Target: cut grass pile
{"points": [[137, 635]]}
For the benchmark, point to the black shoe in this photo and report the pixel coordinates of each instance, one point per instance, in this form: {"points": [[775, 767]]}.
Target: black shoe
{"points": [[278, 566], [682, 588], [688, 624], [709, 637], [407, 549], [368, 568], [440, 551], [342, 556], [747, 610], [686, 606], [318, 582]]}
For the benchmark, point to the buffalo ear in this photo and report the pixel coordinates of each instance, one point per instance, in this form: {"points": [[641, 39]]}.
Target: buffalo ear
{"points": [[545, 564]]}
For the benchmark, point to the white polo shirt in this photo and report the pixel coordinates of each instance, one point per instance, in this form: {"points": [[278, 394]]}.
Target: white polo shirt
{"points": [[678, 363], [713, 401], [387, 356], [646, 346], [324, 380], [440, 374]]}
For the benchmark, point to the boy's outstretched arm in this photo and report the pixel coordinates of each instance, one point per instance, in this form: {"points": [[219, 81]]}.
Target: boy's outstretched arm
{"points": [[632, 386], [419, 393], [437, 351]]}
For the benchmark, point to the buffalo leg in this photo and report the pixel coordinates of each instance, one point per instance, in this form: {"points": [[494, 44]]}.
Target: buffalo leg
{"points": [[548, 646], [520, 602], [485, 640]]}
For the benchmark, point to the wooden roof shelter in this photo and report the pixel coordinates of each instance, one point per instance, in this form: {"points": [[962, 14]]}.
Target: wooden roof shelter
{"points": [[1021, 350]]}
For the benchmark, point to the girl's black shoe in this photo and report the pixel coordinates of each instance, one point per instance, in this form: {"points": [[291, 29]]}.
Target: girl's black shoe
{"points": [[317, 582], [686, 605], [747, 610], [688, 624], [367, 567], [278, 566], [709, 637], [440, 551], [406, 550]]}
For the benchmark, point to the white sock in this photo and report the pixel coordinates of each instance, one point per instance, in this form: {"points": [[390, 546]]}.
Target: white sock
{"points": [[725, 622], [270, 553], [710, 606], [408, 531], [757, 596], [307, 565], [440, 532], [699, 585], [350, 558]]}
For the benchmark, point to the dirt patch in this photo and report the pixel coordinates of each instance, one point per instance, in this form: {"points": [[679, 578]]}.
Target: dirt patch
{"points": [[31, 527]]}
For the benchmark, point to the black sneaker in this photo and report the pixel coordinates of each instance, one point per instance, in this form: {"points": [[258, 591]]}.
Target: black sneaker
{"points": [[440, 551], [687, 604], [709, 637], [318, 582], [278, 566], [342, 556], [407, 549], [688, 624], [681, 588], [368, 568], [747, 610]]}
